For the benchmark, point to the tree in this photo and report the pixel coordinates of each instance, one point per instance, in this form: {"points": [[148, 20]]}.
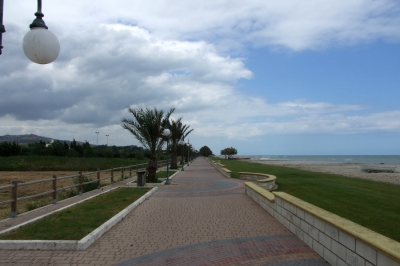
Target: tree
{"points": [[229, 151], [37, 148], [76, 147], [205, 151], [57, 148], [9, 149], [178, 132], [147, 126]]}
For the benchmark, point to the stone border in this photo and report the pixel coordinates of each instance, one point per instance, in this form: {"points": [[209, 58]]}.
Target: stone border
{"points": [[82, 244], [338, 240], [267, 181], [132, 183], [221, 168]]}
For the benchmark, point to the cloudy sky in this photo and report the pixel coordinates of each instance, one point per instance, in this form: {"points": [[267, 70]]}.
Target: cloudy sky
{"points": [[292, 77]]}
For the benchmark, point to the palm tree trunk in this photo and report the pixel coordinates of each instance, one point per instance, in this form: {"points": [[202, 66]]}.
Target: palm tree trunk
{"points": [[152, 169], [174, 159]]}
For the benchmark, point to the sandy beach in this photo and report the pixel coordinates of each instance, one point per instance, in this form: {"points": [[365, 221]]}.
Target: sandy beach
{"points": [[344, 169]]}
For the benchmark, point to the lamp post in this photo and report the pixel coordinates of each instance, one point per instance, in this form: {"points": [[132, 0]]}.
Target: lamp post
{"points": [[40, 45], [97, 137], [183, 153], [167, 134], [107, 139], [188, 143]]}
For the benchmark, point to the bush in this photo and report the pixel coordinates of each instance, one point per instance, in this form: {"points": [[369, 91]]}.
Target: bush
{"points": [[68, 193], [73, 153], [87, 187], [30, 206], [139, 155]]}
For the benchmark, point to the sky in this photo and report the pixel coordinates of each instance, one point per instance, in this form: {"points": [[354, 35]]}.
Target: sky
{"points": [[290, 77]]}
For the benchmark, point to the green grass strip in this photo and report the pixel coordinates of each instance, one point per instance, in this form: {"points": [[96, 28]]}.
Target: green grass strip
{"points": [[78, 221], [375, 205], [163, 174]]}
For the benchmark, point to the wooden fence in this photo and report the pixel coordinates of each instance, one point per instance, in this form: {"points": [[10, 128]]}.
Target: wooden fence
{"points": [[124, 171]]}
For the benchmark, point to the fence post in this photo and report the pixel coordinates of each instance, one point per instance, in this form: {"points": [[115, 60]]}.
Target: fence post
{"points": [[14, 192], [54, 201], [130, 171], [98, 178], [112, 175], [122, 173], [80, 184]]}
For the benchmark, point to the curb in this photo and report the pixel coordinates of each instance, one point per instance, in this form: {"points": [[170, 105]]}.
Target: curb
{"points": [[82, 244], [132, 183]]}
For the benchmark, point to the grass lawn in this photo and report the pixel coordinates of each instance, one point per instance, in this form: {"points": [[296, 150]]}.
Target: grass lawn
{"points": [[76, 222], [54, 163], [375, 205], [163, 174]]}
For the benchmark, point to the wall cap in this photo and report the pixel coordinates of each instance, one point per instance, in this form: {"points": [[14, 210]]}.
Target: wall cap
{"points": [[263, 192], [268, 177]]}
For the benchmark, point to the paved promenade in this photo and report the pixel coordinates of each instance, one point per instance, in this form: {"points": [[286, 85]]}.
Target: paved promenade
{"points": [[202, 218]]}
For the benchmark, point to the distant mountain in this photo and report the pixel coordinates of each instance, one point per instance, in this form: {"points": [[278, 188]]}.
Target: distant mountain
{"points": [[29, 138]]}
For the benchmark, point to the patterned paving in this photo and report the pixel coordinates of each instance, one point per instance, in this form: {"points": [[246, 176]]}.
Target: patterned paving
{"points": [[264, 250], [202, 218]]}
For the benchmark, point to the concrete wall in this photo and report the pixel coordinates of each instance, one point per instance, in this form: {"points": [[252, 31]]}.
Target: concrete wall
{"points": [[264, 180], [338, 240], [220, 167]]}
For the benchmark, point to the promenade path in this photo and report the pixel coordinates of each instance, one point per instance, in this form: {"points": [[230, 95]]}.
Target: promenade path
{"points": [[202, 218]]}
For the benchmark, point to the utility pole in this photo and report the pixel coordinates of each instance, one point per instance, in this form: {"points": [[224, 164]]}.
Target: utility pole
{"points": [[97, 138]]}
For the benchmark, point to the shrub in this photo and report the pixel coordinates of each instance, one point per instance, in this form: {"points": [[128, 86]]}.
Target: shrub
{"points": [[68, 193], [86, 187], [37, 204]]}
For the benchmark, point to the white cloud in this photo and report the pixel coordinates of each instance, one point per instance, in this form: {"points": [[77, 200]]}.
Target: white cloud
{"points": [[292, 24], [177, 53]]}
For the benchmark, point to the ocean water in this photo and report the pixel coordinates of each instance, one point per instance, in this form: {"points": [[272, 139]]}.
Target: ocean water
{"points": [[362, 159]]}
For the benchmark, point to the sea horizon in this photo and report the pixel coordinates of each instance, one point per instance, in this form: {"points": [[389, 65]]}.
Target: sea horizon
{"points": [[361, 159]]}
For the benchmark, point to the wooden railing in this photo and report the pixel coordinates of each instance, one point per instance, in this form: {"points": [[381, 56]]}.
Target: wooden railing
{"points": [[122, 173]]}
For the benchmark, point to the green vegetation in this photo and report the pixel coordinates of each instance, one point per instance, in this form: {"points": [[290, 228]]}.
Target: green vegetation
{"points": [[205, 151], [178, 133], [53, 163], [30, 206], [147, 126], [374, 205], [229, 152], [163, 174], [73, 149], [76, 222]]}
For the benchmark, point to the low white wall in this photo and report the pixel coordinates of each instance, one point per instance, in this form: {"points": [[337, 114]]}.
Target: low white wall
{"points": [[338, 240], [267, 181], [227, 173]]}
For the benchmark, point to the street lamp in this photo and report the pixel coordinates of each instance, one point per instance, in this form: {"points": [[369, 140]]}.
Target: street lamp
{"points": [[97, 137], [167, 133], [183, 154], [188, 143], [107, 139], [40, 45]]}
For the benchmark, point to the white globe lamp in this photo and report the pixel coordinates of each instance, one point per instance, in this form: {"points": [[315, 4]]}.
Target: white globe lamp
{"points": [[166, 132], [41, 45]]}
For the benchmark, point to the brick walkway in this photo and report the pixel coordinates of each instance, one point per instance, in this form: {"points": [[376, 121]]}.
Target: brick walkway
{"points": [[202, 218]]}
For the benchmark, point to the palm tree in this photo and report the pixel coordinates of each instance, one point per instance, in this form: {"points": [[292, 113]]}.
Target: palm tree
{"points": [[178, 132], [147, 127]]}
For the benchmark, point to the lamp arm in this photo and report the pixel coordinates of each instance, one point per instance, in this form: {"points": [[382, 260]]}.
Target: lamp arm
{"points": [[38, 22]]}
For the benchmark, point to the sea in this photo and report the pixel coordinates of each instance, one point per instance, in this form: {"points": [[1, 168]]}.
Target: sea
{"points": [[361, 159]]}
